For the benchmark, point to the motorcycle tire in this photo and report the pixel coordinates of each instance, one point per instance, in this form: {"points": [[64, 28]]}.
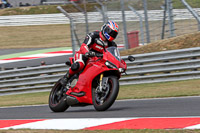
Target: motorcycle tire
{"points": [[113, 93], [57, 102]]}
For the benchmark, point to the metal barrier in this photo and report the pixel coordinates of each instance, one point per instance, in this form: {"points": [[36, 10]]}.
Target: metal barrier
{"points": [[55, 2], [58, 18], [173, 65]]}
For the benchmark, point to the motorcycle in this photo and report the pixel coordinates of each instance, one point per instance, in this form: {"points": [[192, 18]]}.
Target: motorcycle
{"points": [[97, 84]]}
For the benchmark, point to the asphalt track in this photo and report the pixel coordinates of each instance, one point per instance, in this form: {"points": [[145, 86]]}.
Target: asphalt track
{"points": [[36, 62], [12, 51], [164, 107], [33, 62]]}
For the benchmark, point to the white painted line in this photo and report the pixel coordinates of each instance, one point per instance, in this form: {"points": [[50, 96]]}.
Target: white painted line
{"points": [[36, 56], [193, 127], [67, 124]]}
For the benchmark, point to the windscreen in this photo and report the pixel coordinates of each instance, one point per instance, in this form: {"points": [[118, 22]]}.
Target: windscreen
{"points": [[115, 52]]}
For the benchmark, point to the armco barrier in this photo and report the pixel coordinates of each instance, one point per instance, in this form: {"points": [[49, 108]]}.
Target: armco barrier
{"points": [[59, 18], [173, 65]]}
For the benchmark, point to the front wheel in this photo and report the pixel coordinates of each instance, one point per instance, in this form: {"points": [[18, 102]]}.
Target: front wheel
{"points": [[57, 96], [104, 99]]}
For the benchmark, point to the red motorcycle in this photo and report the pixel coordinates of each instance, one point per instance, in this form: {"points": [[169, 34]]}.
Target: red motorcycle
{"points": [[97, 84]]}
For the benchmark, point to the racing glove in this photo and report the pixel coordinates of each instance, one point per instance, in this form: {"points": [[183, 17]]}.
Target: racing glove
{"points": [[90, 54]]}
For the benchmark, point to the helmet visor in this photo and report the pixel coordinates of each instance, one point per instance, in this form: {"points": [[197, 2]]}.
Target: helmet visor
{"points": [[111, 32]]}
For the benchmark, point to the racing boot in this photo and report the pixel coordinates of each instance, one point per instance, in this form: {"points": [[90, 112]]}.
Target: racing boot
{"points": [[65, 78]]}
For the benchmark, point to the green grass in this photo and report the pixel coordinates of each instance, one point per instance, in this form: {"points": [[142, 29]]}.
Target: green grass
{"points": [[44, 9], [39, 36], [156, 4], [112, 6], [178, 42], [33, 52], [158, 90], [30, 10], [177, 4], [24, 99], [46, 36], [151, 90]]}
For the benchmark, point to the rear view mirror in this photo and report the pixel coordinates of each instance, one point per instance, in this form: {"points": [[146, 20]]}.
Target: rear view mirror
{"points": [[131, 58]]}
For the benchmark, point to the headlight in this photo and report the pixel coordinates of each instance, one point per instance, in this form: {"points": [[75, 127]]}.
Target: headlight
{"points": [[110, 65]]}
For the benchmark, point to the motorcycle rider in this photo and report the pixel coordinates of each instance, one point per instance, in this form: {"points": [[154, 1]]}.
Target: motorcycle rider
{"points": [[94, 42]]}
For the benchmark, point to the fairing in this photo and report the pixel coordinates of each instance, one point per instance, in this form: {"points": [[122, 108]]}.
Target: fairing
{"points": [[95, 66]]}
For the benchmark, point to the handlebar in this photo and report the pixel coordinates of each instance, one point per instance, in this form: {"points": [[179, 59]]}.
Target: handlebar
{"points": [[93, 54], [98, 55]]}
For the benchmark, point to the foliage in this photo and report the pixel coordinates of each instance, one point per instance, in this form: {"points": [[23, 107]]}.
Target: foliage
{"points": [[151, 90]]}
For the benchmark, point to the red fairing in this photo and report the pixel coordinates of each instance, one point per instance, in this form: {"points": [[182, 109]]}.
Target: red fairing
{"points": [[85, 81], [94, 67]]}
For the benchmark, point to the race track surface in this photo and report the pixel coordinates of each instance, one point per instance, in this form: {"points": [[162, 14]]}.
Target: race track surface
{"points": [[13, 51], [165, 107], [51, 58], [36, 62]]}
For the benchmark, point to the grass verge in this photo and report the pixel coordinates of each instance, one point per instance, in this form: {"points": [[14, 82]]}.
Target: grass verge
{"points": [[179, 42], [152, 90], [39, 36], [111, 5], [45, 9], [46, 36], [24, 99]]}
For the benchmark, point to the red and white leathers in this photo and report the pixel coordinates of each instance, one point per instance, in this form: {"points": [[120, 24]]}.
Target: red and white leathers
{"points": [[94, 41]]}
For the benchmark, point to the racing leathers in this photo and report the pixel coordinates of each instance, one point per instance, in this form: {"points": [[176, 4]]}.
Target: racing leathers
{"points": [[93, 43]]}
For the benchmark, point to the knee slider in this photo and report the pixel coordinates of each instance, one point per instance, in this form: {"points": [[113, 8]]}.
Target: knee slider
{"points": [[75, 66]]}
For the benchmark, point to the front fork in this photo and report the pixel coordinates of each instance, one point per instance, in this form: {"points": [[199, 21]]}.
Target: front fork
{"points": [[103, 82]]}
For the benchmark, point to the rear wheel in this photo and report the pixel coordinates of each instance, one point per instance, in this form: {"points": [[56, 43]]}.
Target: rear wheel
{"points": [[102, 100], [57, 97]]}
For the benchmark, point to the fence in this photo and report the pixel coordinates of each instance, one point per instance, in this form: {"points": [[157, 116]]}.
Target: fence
{"points": [[171, 22], [164, 66], [154, 19], [44, 19]]}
